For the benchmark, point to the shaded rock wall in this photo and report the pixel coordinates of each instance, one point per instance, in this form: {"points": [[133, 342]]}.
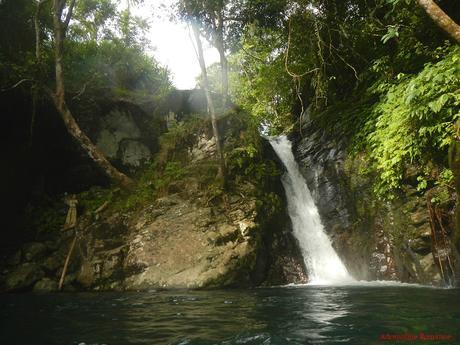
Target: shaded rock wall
{"points": [[375, 239], [44, 161], [128, 136]]}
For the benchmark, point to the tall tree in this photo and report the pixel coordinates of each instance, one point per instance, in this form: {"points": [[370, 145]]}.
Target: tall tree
{"points": [[60, 25], [39, 65], [211, 18], [222, 23], [220, 46], [212, 110], [441, 18]]}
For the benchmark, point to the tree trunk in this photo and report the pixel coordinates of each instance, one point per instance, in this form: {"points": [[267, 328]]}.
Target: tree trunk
{"points": [[58, 97], [66, 263], [39, 67], [441, 18], [223, 59], [224, 73], [220, 154]]}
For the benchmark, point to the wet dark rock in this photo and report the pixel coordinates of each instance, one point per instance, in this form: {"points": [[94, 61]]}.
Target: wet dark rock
{"points": [[53, 263], [376, 240], [46, 285], [420, 246], [14, 259], [34, 251], [23, 277]]}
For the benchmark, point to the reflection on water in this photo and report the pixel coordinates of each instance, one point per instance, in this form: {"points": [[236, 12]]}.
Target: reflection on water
{"points": [[290, 315], [322, 308]]}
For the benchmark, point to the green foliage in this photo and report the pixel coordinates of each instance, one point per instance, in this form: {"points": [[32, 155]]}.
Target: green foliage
{"points": [[393, 31], [422, 183], [175, 143], [247, 162], [269, 204], [245, 154], [92, 18], [441, 196], [97, 57], [446, 177], [414, 120], [90, 200], [336, 50], [258, 80], [45, 217], [112, 66], [173, 172]]}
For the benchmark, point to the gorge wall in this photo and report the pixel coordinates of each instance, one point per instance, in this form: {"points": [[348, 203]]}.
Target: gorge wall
{"points": [[385, 240]]}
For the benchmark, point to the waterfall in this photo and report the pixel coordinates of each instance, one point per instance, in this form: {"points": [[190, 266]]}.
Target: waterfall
{"points": [[322, 262]]}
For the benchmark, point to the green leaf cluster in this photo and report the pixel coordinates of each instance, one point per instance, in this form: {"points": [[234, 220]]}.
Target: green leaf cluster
{"points": [[413, 122]]}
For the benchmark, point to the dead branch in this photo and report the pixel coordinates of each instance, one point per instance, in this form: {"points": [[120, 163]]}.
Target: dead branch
{"points": [[19, 83]]}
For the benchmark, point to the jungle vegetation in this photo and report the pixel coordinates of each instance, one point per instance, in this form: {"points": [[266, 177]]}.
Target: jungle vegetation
{"points": [[384, 74]]}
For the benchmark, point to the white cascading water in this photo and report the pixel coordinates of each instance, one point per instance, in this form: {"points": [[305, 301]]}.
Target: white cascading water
{"points": [[322, 262]]}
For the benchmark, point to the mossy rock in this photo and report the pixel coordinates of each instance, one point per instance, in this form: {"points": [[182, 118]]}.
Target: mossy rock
{"points": [[46, 285], [23, 277]]}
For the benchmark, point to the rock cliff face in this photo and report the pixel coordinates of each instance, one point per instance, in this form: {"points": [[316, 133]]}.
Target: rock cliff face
{"points": [[375, 239], [185, 239], [178, 241], [126, 135], [182, 243]]}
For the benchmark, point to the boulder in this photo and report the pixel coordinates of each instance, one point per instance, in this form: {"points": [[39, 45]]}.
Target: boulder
{"points": [[23, 277], [127, 135], [46, 285], [420, 245], [34, 251]]}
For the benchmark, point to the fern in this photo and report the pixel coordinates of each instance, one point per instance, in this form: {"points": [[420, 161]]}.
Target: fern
{"points": [[414, 120]]}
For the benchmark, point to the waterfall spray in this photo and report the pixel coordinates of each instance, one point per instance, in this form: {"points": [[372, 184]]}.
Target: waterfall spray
{"points": [[322, 262]]}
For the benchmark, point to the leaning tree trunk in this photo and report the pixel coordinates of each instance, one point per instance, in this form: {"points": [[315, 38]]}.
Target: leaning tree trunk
{"points": [[212, 110], [441, 18], [58, 97]]}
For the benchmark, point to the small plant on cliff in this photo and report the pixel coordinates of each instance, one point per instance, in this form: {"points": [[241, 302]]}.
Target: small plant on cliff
{"points": [[173, 171], [175, 143], [92, 199]]}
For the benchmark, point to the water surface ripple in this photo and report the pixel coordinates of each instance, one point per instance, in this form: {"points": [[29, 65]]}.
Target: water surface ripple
{"points": [[289, 315]]}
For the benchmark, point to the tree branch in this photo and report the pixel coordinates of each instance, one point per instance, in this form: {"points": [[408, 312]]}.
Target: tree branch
{"points": [[19, 83], [68, 16], [286, 59], [441, 18], [83, 89]]}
